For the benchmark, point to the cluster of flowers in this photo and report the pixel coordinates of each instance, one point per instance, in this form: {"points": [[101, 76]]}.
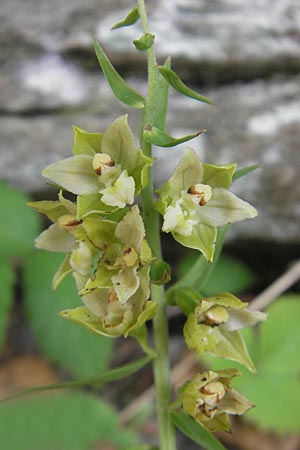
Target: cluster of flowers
{"points": [[103, 235]]}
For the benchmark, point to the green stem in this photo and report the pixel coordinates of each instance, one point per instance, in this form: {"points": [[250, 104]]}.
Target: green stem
{"points": [[161, 364]]}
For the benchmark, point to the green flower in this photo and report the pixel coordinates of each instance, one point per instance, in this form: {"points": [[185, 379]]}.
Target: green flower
{"points": [[209, 398], [214, 327], [107, 169], [123, 251], [104, 314], [195, 201]]}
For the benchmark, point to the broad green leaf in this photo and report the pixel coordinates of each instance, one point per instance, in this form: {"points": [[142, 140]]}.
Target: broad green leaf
{"points": [[131, 18], [218, 175], [19, 225], [229, 275], [64, 343], [145, 42], [86, 143], [174, 80], [119, 87], [244, 171], [203, 238], [275, 388], [7, 279], [195, 432], [98, 380], [161, 107], [69, 421], [160, 272], [158, 137], [75, 174]]}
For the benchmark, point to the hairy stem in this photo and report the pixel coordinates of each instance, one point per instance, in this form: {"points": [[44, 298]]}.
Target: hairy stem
{"points": [[161, 364]]}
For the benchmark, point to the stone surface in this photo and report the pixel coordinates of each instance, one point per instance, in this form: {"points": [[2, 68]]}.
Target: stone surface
{"points": [[48, 82]]}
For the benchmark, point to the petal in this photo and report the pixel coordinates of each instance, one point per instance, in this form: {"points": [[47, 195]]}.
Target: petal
{"points": [[121, 193], [75, 174], [55, 239], [203, 238], [243, 318], [126, 283], [223, 208], [130, 230]]}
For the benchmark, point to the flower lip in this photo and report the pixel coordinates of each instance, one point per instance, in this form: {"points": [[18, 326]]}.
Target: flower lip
{"points": [[68, 221], [102, 160], [202, 192]]}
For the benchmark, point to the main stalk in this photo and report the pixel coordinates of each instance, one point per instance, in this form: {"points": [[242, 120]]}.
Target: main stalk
{"points": [[161, 364]]}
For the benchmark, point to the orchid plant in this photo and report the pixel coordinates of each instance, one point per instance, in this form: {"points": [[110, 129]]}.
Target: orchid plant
{"points": [[110, 234]]}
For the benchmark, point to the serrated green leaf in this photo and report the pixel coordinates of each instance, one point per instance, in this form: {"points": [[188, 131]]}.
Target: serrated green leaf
{"points": [[161, 107], [158, 137], [275, 388], [69, 421], [7, 279], [195, 432], [19, 225], [174, 80], [131, 18], [98, 380], [64, 343], [86, 143], [145, 42], [244, 171], [119, 87]]}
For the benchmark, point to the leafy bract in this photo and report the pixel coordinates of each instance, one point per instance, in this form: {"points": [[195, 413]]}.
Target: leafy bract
{"points": [[56, 421], [195, 431], [159, 137], [174, 80], [18, 225], [7, 279], [131, 18], [120, 88], [65, 344]]}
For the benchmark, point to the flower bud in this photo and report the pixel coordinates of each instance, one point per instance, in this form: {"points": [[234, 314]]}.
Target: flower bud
{"points": [[102, 160], [216, 315], [202, 192]]}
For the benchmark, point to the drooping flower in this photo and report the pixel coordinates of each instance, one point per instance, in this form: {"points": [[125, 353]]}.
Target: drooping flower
{"points": [[195, 201], [214, 327], [209, 398]]}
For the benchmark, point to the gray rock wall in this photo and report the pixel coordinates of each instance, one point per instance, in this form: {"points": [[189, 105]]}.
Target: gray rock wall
{"points": [[243, 55]]}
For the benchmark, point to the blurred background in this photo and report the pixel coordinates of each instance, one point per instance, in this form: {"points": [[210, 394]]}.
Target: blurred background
{"points": [[243, 55]]}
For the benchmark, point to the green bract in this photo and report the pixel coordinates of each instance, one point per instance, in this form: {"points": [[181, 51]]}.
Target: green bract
{"points": [[108, 169], [214, 324], [195, 201], [209, 398]]}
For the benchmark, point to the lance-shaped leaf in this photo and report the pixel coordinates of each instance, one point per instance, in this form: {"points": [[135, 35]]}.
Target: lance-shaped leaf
{"points": [[131, 18], [161, 107], [174, 80], [244, 171], [144, 42], [86, 143], [158, 137], [120, 88], [188, 426]]}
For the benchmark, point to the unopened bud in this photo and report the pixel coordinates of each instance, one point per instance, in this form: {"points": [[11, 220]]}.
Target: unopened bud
{"points": [[216, 315], [203, 193], [102, 160], [68, 221]]}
